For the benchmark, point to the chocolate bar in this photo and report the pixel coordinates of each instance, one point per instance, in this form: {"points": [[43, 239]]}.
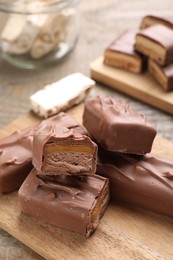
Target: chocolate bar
{"points": [[121, 54], [74, 203], [15, 159], [142, 181], [61, 146], [117, 127], [150, 20], [163, 75], [156, 43], [61, 95]]}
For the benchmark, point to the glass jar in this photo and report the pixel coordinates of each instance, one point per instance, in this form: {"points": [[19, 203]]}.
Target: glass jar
{"points": [[37, 33]]}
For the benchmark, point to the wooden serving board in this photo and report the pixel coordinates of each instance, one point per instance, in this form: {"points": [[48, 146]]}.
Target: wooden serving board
{"points": [[123, 232], [139, 86]]}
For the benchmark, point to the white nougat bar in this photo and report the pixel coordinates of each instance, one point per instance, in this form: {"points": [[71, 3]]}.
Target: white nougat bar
{"points": [[61, 95]]}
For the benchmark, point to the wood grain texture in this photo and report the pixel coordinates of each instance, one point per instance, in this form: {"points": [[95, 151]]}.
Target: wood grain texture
{"points": [[140, 86], [123, 233]]}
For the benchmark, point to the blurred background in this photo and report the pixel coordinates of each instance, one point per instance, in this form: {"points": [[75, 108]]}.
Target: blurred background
{"points": [[100, 22]]}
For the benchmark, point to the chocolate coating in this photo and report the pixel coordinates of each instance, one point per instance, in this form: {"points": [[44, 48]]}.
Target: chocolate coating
{"points": [[74, 203], [150, 20], [159, 45], [15, 159], [117, 127], [142, 181], [124, 43], [61, 146], [121, 54]]}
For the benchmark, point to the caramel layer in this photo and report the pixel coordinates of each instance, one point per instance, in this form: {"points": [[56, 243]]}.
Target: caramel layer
{"points": [[97, 212], [50, 148]]}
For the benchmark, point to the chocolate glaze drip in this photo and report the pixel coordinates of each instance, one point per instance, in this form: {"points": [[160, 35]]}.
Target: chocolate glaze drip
{"points": [[15, 159], [117, 127], [65, 201], [144, 181]]}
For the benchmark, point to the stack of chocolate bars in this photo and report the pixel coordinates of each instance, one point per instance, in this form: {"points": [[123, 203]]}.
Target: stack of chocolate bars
{"points": [[125, 139], [150, 47], [64, 175], [63, 189]]}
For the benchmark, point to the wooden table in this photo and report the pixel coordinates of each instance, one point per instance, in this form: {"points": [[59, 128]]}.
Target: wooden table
{"points": [[101, 21]]}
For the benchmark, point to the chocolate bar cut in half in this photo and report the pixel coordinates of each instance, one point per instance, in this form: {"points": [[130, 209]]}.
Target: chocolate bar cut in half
{"points": [[121, 54], [142, 181], [156, 43], [163, 75], [75, 203], [61, 146], [117, 127], [150, 20], [15, 159]]}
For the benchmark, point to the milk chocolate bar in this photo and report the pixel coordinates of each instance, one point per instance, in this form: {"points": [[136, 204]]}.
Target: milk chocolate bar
{"points": [[61, 95], [74, 203], [156, 43], [61, 146], [15, 159], [121, 54], [150, 20], [117, 127], [142, 181], [163, 75]]}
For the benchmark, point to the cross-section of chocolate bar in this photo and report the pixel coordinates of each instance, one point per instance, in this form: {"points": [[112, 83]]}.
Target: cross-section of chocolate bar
{"points": [[163, 75], [61, 146], [74, 203], [156, 43], [150, 20], [121, 54], [142, 181], [117, 127], [15, 159]]}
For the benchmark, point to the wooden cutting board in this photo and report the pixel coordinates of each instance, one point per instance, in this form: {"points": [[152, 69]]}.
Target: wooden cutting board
{"points": [[123, 232], [139, 86]]}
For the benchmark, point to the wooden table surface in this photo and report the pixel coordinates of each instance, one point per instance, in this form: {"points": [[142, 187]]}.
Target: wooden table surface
{"points": [[101, 21]]}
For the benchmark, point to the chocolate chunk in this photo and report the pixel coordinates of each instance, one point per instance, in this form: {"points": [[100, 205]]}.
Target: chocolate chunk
{"points": [[142, 181], [150, 20], [61, 147], [121, 54], [74, 203], [156, 43], [117, 127], [15, 159], [163, 75]]}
